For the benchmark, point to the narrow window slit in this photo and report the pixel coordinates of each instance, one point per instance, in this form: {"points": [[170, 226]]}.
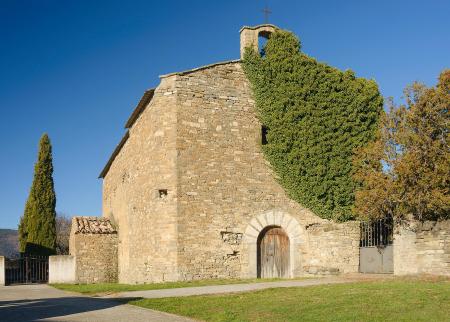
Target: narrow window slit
{"points": [[264, 131], [162, 193]]}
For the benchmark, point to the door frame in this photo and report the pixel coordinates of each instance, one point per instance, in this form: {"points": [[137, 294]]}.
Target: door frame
{"points": [[258, 223], [262, 234]]}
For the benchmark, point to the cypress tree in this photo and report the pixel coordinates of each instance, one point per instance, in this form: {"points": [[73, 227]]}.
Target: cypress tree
{"points": [[37, 228]]}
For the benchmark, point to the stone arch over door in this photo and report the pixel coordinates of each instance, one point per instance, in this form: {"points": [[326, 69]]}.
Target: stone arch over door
{"points": [[257, 225]]}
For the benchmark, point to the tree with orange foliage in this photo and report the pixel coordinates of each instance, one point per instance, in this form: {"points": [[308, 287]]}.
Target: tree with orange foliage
{"points": [[405, 173]]}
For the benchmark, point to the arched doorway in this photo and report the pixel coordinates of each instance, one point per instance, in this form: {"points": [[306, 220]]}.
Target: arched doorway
{"points": [[273, 253]]}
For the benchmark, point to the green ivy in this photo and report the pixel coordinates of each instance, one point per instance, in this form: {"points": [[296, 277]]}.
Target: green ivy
{"points": [[316, 116]]}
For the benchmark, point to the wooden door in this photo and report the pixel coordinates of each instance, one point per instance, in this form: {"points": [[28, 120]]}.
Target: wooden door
{"points": [[273, 253]]}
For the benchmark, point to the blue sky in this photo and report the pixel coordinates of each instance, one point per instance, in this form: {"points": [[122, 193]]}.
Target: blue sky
{"points": [[77, 69]]}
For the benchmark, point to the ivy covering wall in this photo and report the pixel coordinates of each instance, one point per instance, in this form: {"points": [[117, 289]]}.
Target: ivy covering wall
{"points": [[316, 115]]}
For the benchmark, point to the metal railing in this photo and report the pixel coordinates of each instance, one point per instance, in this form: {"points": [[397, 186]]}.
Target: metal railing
{"points": [[377, 233], [26, 270]]}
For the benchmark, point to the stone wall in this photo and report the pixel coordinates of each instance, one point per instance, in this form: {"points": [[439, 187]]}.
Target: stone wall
{"points": [[146, 220], [2, 270], [422, 248], [62, 269], [199, 140], [405, 251], [335, 243], [250, 36], [224, 182], [95, 252]]}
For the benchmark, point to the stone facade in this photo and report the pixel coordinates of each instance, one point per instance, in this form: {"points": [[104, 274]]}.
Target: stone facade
{"points": [[189, 189], [93, 244], [224, 181], [422, 248], [145, 217]]}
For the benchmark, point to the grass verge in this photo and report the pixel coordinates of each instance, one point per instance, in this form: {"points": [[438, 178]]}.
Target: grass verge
{"points": [[396, 300]]}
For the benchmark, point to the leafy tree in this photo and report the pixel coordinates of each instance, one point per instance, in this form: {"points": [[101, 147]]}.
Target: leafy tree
{"points": [[37, 228], [63, 226], [405, 173], [316, 115]]}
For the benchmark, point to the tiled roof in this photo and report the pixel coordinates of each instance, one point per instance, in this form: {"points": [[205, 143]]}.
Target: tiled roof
{"points": [[92, 225]]}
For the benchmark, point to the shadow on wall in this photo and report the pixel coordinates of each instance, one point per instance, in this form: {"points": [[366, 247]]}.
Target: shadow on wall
{"points": [[34, 249], [37, 309]]}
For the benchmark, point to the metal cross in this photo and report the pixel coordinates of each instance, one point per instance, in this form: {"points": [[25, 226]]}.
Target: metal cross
{"points": [[267, 12]]}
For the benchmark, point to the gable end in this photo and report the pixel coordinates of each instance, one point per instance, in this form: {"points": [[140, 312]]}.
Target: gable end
{"points": [[113, 155], [145, 100]]}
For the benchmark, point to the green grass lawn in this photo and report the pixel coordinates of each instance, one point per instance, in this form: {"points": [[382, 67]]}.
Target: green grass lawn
{"points": [[92, 289], [395, 300]]}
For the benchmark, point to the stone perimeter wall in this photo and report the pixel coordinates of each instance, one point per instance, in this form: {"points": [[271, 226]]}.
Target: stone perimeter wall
{"points": [[2, 270], [62, 269], [95, 257], [422, 248]]}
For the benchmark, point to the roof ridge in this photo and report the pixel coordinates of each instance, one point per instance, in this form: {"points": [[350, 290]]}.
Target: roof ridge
{"points": [[201, 68]]}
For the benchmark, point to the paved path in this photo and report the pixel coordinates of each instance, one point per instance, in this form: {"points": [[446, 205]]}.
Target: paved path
{"points": [[234, 288], [25, 303]]}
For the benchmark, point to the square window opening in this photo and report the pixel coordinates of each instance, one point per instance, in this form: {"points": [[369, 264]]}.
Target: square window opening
{"points": [[162, 193]]}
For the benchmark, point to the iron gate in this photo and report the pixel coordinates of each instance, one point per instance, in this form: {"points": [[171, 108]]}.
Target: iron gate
{"points": [[27, 269], [376, 249]]}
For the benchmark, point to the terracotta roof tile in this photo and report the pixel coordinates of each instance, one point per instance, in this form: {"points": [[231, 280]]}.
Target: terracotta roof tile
{"points": [[92, 225]]}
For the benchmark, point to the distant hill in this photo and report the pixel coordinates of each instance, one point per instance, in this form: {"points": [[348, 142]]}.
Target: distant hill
{"points": [[9, 243]]}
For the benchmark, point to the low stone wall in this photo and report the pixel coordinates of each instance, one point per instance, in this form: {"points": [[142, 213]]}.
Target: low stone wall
{"points": [[2, 270], [61, 269], [405, 251], [422, 248], [93, 243], [96, 258], [332, 248]]}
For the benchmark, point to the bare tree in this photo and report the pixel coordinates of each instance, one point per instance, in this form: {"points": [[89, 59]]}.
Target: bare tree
{"points": [[63, 225]]}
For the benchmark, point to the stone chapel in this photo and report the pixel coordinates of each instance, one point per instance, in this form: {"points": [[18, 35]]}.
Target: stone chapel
{"points": [[190, 195]]}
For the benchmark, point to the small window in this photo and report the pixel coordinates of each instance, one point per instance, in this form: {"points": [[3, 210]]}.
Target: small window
{"points": [[264, 131], [261, 45], [162, 193], [263, 36]]}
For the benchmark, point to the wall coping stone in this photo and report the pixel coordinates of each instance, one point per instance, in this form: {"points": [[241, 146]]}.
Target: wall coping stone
{"points": [[92, 225], [201, 68]]}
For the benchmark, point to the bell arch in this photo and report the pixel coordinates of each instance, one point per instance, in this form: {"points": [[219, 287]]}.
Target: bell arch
{"points": [[257, 225], [250, 36]]}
